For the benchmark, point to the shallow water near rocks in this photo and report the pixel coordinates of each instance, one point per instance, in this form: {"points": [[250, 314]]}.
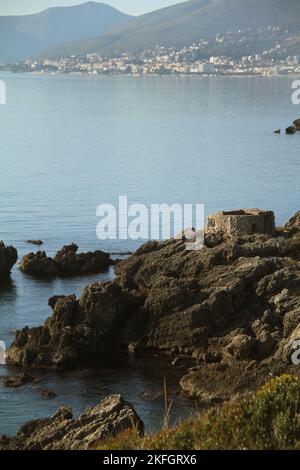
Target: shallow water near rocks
{"points": [[139, 379], [69, 144]]}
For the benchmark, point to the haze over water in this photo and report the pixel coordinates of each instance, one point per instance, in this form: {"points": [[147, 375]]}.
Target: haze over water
{"points": [[71, 143]]}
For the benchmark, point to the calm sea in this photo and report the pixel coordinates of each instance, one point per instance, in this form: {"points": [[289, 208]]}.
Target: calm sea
{"points": [[69, 144]]}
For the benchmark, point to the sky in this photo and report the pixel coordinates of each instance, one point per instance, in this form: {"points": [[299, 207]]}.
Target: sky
{"points": [[133, 7]]}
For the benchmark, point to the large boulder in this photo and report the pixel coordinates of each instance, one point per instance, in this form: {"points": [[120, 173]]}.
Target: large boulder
{"points": [[78, 330], [8, 258], [62, 432]]}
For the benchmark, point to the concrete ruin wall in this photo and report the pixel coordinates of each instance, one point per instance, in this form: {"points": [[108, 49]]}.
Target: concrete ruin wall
{"points": [[242, 222]]}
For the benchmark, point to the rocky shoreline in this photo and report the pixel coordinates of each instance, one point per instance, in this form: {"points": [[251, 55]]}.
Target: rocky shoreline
{"points": [[62, 432], [233, 308]]}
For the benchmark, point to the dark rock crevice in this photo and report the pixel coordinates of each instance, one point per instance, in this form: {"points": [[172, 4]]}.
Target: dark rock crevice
{"points": [[8, 258]]}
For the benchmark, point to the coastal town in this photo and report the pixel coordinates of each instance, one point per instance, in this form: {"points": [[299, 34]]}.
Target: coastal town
{"points": [[159, 63], [204, 58]]}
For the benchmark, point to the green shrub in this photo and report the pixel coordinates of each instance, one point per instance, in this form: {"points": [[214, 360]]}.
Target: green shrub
{"points": [[268, 419]]}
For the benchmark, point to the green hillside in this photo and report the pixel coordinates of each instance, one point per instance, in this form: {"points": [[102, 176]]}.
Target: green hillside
{"points": [[188, 22], [25, 36]]}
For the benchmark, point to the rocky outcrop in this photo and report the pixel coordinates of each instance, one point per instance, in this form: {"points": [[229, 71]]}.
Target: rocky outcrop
{"points": [[38, 264], [291, 130], [77, 330], [216, 382], [294, 127], [62, 432], [16, 381], [48, 393], [8, 258], [297, 124], [293, 225], [232, 306], [71, 263], [67, 262]]}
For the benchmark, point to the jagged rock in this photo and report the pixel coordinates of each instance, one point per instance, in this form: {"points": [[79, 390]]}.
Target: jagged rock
{"points": [[266, 344], [293, 225], [67, 262], [236, 301], [16, 381], [214, 383], [71, 263], [76, 330], [48, 393], [291, 130], [297, 124], [38, 264], [291, 321], [8, 258], [241, 346], [61, 432]]}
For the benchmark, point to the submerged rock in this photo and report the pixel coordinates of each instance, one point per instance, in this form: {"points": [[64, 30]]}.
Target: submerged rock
{"points": [[48, 393], [8, 258], [67, 262], [35, 242], [62, 432]]}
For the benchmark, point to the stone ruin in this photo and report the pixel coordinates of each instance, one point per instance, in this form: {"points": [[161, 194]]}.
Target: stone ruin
{"points": [[243, 222]]}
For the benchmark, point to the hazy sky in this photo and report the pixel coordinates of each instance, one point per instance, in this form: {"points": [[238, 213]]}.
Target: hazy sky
{"points": [[134, 7]]}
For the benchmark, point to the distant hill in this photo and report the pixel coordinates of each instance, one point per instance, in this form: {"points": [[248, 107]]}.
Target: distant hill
{"points": [[188, 22], [26, 36]]}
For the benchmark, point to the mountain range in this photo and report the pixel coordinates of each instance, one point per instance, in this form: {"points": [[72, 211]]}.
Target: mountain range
{"points": [[189, 22], [26, 36], [251, 26]]}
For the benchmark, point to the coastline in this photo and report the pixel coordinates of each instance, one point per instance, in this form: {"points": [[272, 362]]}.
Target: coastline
{"points": [[116, 75], [219, 316]]}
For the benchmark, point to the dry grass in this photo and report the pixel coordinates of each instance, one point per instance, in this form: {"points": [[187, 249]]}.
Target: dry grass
{"points": [[268, 419]]}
